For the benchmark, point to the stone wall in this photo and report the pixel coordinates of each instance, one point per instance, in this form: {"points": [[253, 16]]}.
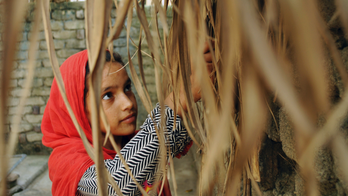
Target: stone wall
{"points": [[67, 23], [278, 168], [280, 173]]}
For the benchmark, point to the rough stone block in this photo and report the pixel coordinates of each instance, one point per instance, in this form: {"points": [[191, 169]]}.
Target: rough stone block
{"points": [[43, 45], [75, 24], [36, 109], [17, 92], [134, 32], [30, 16], [24, 64], [31, 118], [147, 61], [324, 165], [8, 119], [170, 12], [41, 35], [14, 66], [80, 14], [12, 101], [113, 13], [42, 109], [46, 63], [65, 53], [122, 51], [19, 73], [299, 185], [22, 138], [37, 82], [43, 72], [43, 91], [268, 163], [25, 127], [56, 25], [42, 54], [48, 82], [150, 79], [148, 11], [136, 23], [80, 34], [58, 44], [67, 5], [13, 83], [149, 71], [26, 44], [64, 34], [144, 44], [26, 110], [37, 129], [286, 134], [22, 55], [120, 42], [27, 26], [76, 44], [35, 101], [151, 89], [123, 33], [61, 61], [33, 137], [63, 14], [24, 36]]}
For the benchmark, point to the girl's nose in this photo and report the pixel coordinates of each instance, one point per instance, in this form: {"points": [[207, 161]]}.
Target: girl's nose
{"points": [[126, 102]]}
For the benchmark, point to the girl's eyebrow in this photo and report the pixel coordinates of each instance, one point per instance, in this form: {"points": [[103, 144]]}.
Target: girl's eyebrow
{"points": [[107, 88], [129, 81]]}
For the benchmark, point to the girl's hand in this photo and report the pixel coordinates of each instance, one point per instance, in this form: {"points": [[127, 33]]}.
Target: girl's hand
{"points": [[195, 84]]}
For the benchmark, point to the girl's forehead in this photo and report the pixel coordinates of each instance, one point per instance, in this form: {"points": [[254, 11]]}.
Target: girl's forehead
{"points": [[112, 68], [114, 72]]}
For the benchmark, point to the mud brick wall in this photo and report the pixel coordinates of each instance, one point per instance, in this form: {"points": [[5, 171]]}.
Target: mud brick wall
{"points": [[69, 35]]}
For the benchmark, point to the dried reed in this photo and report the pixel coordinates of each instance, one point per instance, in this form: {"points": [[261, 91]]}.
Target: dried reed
{"points": [[251, 58]]}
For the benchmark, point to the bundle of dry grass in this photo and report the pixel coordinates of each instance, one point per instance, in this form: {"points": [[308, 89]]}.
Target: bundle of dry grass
{"points": [[262, 49]]}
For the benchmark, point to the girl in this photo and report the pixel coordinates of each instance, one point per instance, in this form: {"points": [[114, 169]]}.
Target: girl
{"points": [[70, 168]]}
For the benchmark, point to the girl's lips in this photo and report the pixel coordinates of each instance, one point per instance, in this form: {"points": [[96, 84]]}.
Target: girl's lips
{"points": [[129, 119]]}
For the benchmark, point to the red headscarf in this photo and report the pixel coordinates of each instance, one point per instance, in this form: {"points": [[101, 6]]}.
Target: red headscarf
{"points": [[69, 159]]}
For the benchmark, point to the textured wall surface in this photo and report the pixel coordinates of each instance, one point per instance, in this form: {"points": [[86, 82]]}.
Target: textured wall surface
{"points": [[278, 167], [280, 173], [68, 28], [279, 170]]}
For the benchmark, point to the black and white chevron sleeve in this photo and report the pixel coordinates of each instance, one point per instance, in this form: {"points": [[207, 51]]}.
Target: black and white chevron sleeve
{"points": [[142, 155]]}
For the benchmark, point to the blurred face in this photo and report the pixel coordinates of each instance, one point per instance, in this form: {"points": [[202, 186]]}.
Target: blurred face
{"points": [[117, 100]]}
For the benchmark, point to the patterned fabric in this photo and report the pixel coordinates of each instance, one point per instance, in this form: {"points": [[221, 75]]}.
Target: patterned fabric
{"points": [[141, 154]]}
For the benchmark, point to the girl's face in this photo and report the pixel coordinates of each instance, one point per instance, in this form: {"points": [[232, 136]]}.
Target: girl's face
{"points": [[118, 101]]}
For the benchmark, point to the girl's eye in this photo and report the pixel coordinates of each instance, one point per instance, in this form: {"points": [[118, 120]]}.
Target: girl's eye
{"points": [[107, 96], [128, 87]]}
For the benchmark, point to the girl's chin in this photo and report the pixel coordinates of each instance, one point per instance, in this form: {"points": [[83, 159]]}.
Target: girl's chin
{"points": [[124, 132]]}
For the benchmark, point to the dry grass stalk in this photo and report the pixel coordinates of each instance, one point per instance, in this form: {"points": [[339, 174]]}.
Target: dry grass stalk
{"points": [[251, 60], [12, 142], [12, 13]]}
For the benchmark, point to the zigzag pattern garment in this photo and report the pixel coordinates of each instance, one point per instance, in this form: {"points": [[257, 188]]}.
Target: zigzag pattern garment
{"points": [[142, 155]]}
